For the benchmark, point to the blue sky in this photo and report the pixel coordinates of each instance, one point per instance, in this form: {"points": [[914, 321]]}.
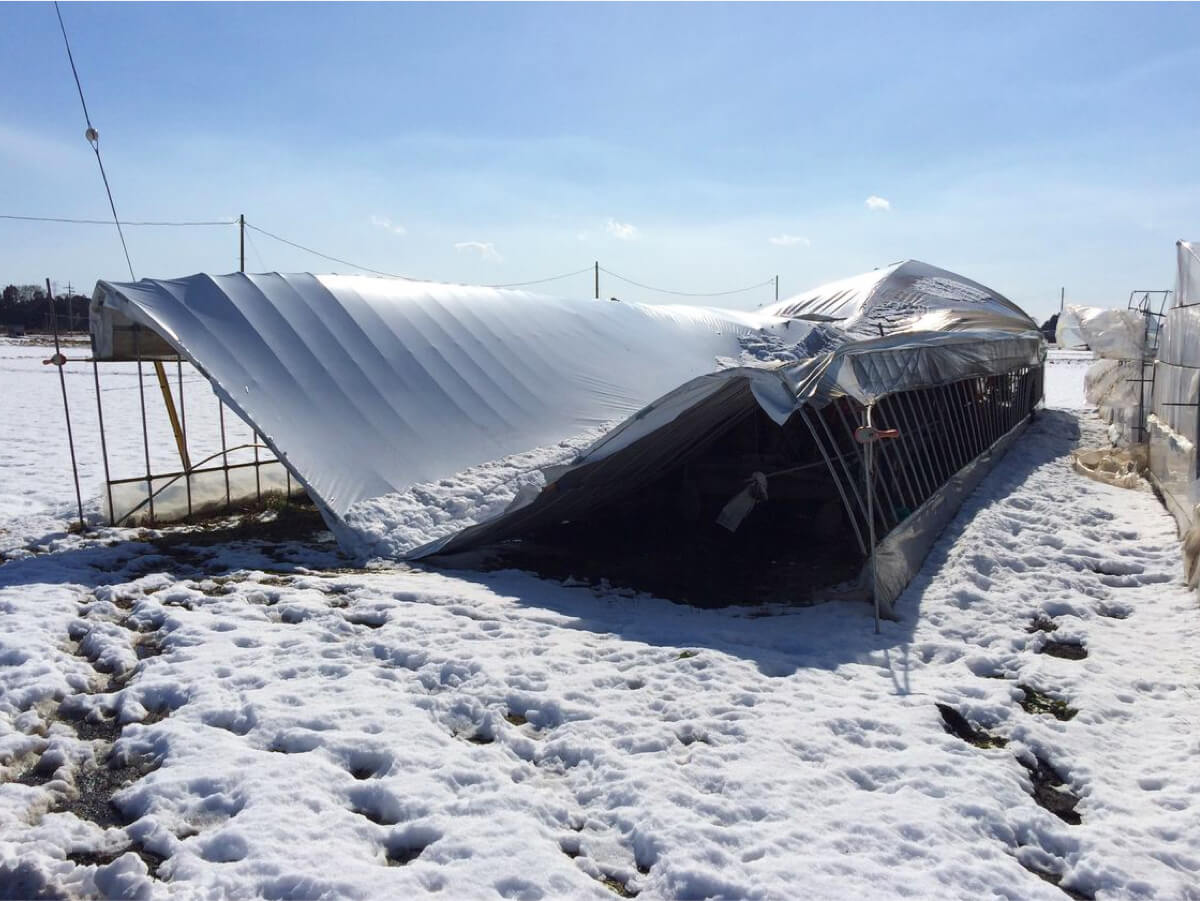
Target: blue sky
{"points": [[699, 147]]}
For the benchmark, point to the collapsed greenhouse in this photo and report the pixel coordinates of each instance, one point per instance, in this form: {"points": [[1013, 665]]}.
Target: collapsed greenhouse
{"points": [[706, 455]]}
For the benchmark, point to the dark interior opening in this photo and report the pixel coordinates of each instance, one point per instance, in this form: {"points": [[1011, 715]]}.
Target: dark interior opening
{"points": [[653, 528]]}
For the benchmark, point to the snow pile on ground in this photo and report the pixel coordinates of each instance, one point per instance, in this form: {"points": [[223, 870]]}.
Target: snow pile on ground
{"points": [[269, 723]]}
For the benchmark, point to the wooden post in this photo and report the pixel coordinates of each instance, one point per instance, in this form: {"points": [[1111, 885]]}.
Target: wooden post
{"points": [[165, 387]]}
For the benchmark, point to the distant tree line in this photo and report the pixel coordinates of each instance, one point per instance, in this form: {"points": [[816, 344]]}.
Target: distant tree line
{"points": [[24, 307]]}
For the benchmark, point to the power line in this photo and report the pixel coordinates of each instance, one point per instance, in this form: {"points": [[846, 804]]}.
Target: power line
{"points": [[93, 137], [326, 256], [109, 221], [262, 266], [769, 281], [553, 278]]}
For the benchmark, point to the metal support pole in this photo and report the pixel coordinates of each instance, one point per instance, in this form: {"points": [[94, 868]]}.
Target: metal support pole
{"points": [[941, 400], [970, 413], [911, 435], [60, 361], [224, 452], [837, 482], [257, 469], [860, 452], [940, 443], [869, 479], [242, 243], [137, 352], [187, 481], [837, 448], [597, 270], [777, 289], [112, 513], [908, 470]]}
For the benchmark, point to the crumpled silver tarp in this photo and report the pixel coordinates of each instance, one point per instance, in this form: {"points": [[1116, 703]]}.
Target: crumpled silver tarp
{"points": [[868, 370], [908, 296], [368, 388]]}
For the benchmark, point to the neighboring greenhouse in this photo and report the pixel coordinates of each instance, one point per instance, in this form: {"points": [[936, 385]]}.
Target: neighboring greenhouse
{"points": [[429, 419], [1174, 425]]}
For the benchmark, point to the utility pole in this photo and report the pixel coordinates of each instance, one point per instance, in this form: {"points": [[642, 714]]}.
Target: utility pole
{"points": [[242, 241], [597, 279]]}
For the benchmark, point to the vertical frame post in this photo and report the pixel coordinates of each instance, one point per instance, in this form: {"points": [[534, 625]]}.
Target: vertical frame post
{"points": [[183, 417], [60, 361], [224, 452], [112, 513], [137, 352]]}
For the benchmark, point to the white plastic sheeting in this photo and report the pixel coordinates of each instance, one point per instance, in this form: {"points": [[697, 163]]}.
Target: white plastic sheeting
{"points": [[367, 386], [1119, 382], [378, 393], [1109, 334], [908, 296], [1174, 428], [1187, 273]]}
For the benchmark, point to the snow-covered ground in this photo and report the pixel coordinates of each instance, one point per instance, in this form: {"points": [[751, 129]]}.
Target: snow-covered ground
{"points": [[268, 723]]}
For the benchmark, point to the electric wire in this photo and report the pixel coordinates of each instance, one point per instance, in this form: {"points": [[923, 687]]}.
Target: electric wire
{"points": [[94, 139], [326, 256], [539, 281], [410, 278], [769, 281], [228, 222], [262, 265], [74, 221]]}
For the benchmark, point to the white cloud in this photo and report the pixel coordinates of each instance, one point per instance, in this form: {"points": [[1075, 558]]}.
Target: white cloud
{"points": [[485, 249], [622, 230], [786, 240], [385, 222], [878, 203]]}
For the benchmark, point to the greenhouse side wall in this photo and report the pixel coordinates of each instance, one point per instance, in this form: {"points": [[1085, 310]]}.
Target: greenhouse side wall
{"points": [[1174, 425]]}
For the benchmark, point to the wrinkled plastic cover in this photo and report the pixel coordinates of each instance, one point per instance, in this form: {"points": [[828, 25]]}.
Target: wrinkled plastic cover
{"points": [[366, 387], [1111, 334], [868, 370], [908, 296], [1187, 274]]}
